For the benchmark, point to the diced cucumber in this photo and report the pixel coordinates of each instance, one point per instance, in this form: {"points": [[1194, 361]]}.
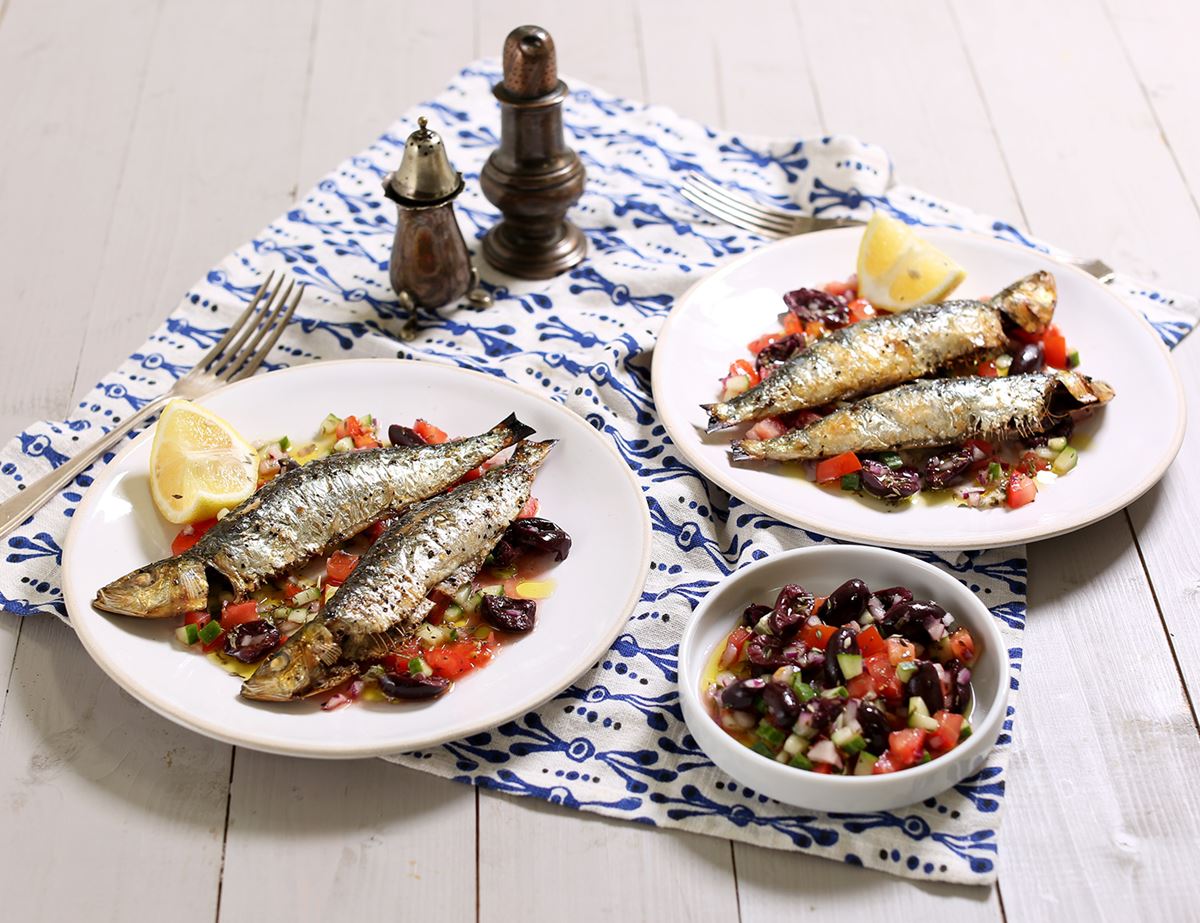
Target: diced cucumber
{"points": [[454, 612], [905, 669], [209, 632], [852, 482], [1066, 460], [770, 734], [330, 423], [803, 689], [965, 731], [329, 591], [187, 634], [763, 625], [759, 747], [345, 444], [800, 761], [825, 752], [837, 692], [892, 460], [304, 597], [285, 443], [367, 421], [1057, 443], [795, 744], [848, 740], [1073, 359], [851, 664], [418, 667], [495, 590], [995, 472], [918, 715], [431, 635], [865, 764]]}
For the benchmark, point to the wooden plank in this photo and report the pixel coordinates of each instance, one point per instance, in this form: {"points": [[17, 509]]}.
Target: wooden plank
{"points": [[109, 810], [1086, 155], [774, 885], [67, 108], [681, 54], [353, 840], [211, 158], [1101, 818], [539, 862]]}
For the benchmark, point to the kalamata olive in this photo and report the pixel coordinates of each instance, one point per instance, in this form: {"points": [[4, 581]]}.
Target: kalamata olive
{"points": [[779, 351], [841, 641], [409, 686], [846, 603], [508, 614], [893, 595], [537, 542], [792, 606], [889, 483], [819, 713], [875, 728], [815, 305], [945, 468], [250, 642], [1028, 360], [753, 613], [402, 435], [959, 697], [764, 651], [926, 684], [743, 694], [782, 704], [908, 619]]}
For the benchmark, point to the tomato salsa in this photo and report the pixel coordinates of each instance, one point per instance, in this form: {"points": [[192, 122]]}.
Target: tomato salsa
{"points": [[460, 634], [860, 682], [976, 474]]}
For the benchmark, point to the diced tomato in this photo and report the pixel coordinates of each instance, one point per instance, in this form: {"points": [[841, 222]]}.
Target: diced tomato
{"points": [[339, 566], [376, 529], [215, 644], [365, 441], [883, 676], [733, 646], [235, 614], [430, 433], [860, 310], [348, 427], [397, 660], [946, 736], [833, 468], [792, 324], [291, 590], [1021, 489], [199, 619], [742, 367], [905, 747], [814, 329], [190, 535], [870, 641], [529, 510], [818, 602], [859, 686], [1031, 463], [987, 369], [757, 346], [823, 768], [1055, 345], [963, 646], [766, 429], [883, 765], [1024, 336], [817, 635], [984, 447], [837, 288], [458, 657], [899, 649]]}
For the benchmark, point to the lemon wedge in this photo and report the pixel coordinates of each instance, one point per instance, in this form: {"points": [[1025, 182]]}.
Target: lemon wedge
{"points": [[897, 270], [199, 464]]}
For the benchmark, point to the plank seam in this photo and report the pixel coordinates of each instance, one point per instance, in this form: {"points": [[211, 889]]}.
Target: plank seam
{"points": [[225, 836], [808, 68], [1187, 693], [640, 41], [12, 666], [306, 96], [737, 894], [478, 872]]}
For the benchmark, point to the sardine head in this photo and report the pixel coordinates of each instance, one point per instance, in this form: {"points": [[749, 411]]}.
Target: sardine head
{"points": [[305, 665], [158, 590], [1029, 303]]}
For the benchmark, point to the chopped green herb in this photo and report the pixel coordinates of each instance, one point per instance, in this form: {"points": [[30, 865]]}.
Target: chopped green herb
{"points": [[892, 460], [852, 482]]}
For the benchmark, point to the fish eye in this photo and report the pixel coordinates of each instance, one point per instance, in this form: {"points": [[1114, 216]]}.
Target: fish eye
{"points": [[279, 662]]}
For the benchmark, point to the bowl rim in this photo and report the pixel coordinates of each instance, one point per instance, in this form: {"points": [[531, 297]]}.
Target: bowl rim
{"points": [[984, 734]]}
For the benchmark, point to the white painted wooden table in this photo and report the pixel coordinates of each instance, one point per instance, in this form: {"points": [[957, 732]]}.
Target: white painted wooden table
{"points": [[143, 139]]}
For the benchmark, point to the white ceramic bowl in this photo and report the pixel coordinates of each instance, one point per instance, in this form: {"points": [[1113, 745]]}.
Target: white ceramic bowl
{"points": [[820, 570]]}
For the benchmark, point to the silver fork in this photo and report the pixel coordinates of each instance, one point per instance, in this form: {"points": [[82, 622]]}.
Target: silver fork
{"points": [[229, 360], [741, 211]]}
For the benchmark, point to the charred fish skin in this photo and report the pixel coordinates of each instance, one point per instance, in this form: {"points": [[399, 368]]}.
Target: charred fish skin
{"points": [[300, 515], [936, 412], [891, 349], [382, 601]]}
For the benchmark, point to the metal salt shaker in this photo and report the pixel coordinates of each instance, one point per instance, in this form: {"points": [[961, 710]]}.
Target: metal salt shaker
{"points": [[430, 265]]}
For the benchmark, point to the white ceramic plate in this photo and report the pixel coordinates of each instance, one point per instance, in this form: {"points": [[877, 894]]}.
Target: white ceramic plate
{"points": [[117, 529], [821, 570], [1132, 440]]}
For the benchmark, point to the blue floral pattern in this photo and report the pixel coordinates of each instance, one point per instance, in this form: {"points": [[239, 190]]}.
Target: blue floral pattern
{"points": [[614, 742]]}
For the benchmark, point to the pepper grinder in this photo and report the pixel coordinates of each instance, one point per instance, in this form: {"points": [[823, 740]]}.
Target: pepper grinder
{"points": [[532, 177], [430, 265]]}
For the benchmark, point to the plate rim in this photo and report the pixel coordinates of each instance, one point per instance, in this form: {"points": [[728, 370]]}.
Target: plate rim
{"points": [[998, 539], [333, 749]]}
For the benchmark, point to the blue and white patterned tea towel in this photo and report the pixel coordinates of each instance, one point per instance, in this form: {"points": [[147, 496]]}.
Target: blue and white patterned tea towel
{"points": [[615, 742]]}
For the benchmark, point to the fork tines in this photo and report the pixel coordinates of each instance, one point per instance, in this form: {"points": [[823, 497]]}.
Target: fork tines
{"points": [[240, 358]]}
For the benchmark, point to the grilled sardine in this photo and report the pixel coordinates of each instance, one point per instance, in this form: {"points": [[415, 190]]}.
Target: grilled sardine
{"points": [[937, 412], [891, 349], [440, 542], [300, 515]]}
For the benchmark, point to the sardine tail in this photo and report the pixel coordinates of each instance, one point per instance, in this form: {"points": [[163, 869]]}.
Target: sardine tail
{"points": [[516, 427]]}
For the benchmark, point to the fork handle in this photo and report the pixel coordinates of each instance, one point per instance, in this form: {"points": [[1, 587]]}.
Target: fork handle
{"points": [[19, 507]]}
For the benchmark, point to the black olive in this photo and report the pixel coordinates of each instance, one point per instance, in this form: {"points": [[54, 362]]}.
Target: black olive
{"points": [[889, 483], [765, 651], [943, 470], [841, 641], [250, 642], [779, 351], [821, 713], [403, 436], [846, 603], [875, 728], [508, 614], [926, 684], [811, 304], [1028, 360], [910, 618], [753, 613], [409, 686], [893, 595], [537, 542], [782, 704], [743, 694], [792, 607]]}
